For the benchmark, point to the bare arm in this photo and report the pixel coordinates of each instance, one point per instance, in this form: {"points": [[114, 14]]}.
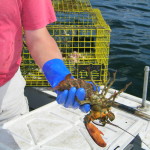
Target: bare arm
{"points": [[42, 46]]}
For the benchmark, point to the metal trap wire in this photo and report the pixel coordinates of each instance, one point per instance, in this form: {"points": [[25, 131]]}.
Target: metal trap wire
{"points": [[83, 38]]}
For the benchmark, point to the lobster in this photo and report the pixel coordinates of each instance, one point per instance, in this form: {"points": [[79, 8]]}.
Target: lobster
{"points": [[100, 105]]}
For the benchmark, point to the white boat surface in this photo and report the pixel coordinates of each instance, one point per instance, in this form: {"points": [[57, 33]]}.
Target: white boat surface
{"points": [[53, 127]]}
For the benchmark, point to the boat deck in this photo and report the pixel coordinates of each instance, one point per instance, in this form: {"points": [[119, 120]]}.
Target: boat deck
{"points": [[53, 127]]}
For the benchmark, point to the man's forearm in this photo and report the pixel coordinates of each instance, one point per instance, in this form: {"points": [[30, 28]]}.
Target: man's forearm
{"points": [[42, 46]]}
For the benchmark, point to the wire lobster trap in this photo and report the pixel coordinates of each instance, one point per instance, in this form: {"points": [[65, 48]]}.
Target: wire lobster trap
{"points": [[83, 38], [72, 5]]}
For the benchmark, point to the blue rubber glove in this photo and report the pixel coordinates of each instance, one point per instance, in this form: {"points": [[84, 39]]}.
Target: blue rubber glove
{"points": [[67, 99], [55, 71]]}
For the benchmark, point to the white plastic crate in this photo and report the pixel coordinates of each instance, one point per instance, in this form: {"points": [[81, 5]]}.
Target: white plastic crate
{"points": [[53, 127]]}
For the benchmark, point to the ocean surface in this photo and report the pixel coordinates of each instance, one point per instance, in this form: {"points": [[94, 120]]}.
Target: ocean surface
{"points": [[129, 21]]}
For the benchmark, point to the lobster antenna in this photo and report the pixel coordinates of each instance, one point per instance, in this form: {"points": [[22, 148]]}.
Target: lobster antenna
{"points": [[124, 130], [108, 122]]}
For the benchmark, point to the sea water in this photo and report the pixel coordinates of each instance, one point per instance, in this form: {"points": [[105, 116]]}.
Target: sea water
{"points": [[130, 41]]}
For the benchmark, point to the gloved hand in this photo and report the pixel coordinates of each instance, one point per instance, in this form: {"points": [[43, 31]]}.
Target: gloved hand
{"points": [[67, 99], [55, 71]]}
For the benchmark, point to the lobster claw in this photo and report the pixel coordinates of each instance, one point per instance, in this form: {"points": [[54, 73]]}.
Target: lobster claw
{"points": [[95, 133]]}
